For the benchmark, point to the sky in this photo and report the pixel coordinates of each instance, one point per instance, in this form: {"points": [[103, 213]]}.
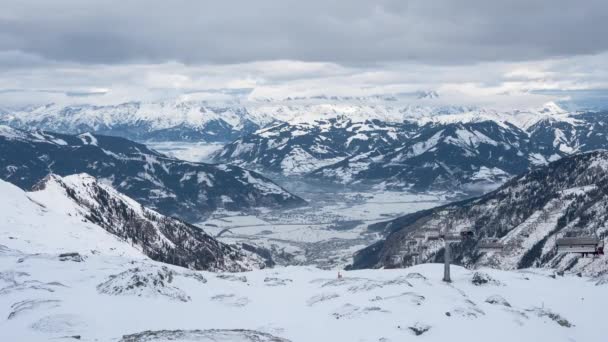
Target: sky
{"points": [[110, 51]]}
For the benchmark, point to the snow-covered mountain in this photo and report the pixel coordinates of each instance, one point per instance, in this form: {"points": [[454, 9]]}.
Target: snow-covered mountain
{"points": [[169, 185], [410, 140], [76, 217], [299, 148], [527, 214], [227, 120], [163, 120], [469, 153]]}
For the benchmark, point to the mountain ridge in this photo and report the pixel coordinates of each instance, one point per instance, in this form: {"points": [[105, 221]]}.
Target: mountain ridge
{"points": [[527, 214], [171, 186], [82, 217]]}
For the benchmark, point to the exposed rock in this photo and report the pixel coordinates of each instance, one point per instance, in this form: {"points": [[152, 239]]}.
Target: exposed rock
{"points": [[356, 284], [481, 278], [497, 300], [542, 312], [212, 335], [231, 300], [276, 281], [415, 275], [232, 277], [419, 328], [323, 297], [411, 297], [350, 311], [76, 257], [151, 282]]}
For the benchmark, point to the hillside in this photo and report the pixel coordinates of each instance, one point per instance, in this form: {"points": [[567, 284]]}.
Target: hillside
{"points": [[168, 185], [76, 217], [527, 214]]}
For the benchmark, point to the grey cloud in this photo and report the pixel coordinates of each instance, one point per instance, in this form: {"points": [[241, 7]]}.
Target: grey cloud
{"points": [[344, 32]]}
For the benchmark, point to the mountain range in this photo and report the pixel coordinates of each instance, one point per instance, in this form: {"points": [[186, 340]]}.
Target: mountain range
{"points": [[451, 152], [171, 186], [381, 141], [227, 120]]}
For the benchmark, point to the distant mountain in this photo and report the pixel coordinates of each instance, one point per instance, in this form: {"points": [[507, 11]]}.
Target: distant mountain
{"points": [[438, 157], [227, 120], [468, 153], [299, 148], [171, 186], [76, 216], [163, 121], [527, 214]]}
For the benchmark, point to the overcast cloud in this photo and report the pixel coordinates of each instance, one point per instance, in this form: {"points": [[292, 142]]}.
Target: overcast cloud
{"points": [[137, 48]]}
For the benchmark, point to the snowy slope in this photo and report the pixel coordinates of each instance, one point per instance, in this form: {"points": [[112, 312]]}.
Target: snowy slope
{"points": [[119, 299], [77, 214], [48, 222]]}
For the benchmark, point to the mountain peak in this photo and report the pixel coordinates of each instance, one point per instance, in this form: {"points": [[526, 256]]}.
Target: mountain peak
{"points": [[427, 94]]}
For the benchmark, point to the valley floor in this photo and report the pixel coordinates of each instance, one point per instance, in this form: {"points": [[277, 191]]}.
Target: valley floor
{"points": [[325, 233], [103, 298]]}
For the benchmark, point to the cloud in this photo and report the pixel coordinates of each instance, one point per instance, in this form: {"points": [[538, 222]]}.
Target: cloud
{"points": [[108, 84], [115, 50], [343, 32]]}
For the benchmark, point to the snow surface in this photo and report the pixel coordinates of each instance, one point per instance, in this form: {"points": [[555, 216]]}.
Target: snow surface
{"points": [[47, 222], [104, 298]]}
